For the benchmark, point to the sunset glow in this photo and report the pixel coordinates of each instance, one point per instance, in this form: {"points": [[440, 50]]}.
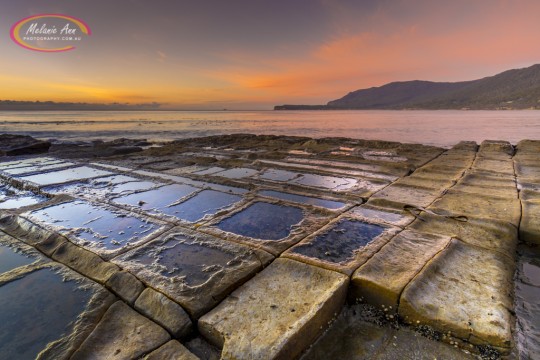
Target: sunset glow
{"points": [[254, 54]]}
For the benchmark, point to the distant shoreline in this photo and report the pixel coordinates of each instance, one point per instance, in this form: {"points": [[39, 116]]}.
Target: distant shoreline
{"points": [[330, 108]]}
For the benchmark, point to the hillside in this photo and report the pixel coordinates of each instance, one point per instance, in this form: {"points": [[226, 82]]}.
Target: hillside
{"points": [[512, 89]]}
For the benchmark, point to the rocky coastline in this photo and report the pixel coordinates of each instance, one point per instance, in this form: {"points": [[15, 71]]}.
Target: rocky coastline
{"points": [[277, 247]]}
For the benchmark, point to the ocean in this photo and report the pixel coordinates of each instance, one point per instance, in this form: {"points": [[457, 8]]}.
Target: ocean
{"points": [[441, 128]]}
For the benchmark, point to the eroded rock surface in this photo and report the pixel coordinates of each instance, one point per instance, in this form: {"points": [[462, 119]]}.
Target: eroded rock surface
{"points": [[257, 237], [122, 334], [256, 323]]}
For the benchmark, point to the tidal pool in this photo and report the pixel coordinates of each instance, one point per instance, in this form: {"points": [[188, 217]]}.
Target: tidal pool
{"points": [[40, 161], [37, 309], [389, 217], [95, 223], [340, 243], [209, 171], [264, 221], [180, 256], [207, 202], [327, 182], [10, 259], [237, 173], [113, 179], [157, 199], [37, 168], [101, 189], [329, 204], [64, 176], [278, 175], [20, 201]]}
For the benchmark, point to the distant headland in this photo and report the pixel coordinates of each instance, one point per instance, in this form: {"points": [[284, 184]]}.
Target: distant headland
{"points": [[510, 90], [79, 106]]}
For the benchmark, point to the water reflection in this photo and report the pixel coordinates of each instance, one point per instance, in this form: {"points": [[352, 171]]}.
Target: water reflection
{"points": [[263, 221], [39, 308], [340, 243]]}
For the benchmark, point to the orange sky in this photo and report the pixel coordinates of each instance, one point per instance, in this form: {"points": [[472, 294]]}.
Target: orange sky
{"points": [[255, 54]]}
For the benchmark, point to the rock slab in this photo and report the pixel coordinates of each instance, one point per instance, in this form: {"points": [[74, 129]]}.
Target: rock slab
{"points": [[122, 334], [465, 290], [278, 313]]}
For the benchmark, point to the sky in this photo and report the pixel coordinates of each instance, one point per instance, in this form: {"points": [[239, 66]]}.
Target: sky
{"points": [[254, 54]]}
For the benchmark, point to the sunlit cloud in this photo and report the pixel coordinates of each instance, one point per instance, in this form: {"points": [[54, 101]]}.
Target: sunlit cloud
{"points": [[209, 58]]}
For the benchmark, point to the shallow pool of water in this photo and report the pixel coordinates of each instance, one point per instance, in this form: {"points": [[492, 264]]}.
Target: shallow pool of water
{"points": [[341, 242], [36, 168], [157, 199], [112, 180], [10, 259], [95, 223], [263, 221], [37, 309], [64, 176], [207, 202], [301, 199], [327, 182], [237, 173], [180, 256], [388, 217], [28, 162], [20, 201], [278, 175]]}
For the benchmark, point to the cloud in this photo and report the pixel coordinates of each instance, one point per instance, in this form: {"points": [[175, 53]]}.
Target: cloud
{"points": [[161, 56]]}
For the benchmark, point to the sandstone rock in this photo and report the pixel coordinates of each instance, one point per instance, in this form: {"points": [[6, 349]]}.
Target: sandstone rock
{"points": [[529, 229], [196, 270], [374, 214], [165, 312], [125, 285], [482, 179], [440, 172], [343, 245], [490, 234], [278, 313], [528, 146], [172, 350], [84, 262], [496, 146], [381, 280], [14, 145], [430, 180], [528, 172], [397, 196], [466, 291], [32, 234], [508, 191], [122, 333], [465, 146], [497, 166], [458, 203]]}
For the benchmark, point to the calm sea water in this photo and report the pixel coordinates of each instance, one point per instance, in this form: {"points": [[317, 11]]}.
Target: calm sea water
{"points": [[442, 128]]}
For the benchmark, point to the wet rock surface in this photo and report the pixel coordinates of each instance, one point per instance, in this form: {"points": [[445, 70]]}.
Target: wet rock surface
{"points": [[244, 246], [14, 145]]}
